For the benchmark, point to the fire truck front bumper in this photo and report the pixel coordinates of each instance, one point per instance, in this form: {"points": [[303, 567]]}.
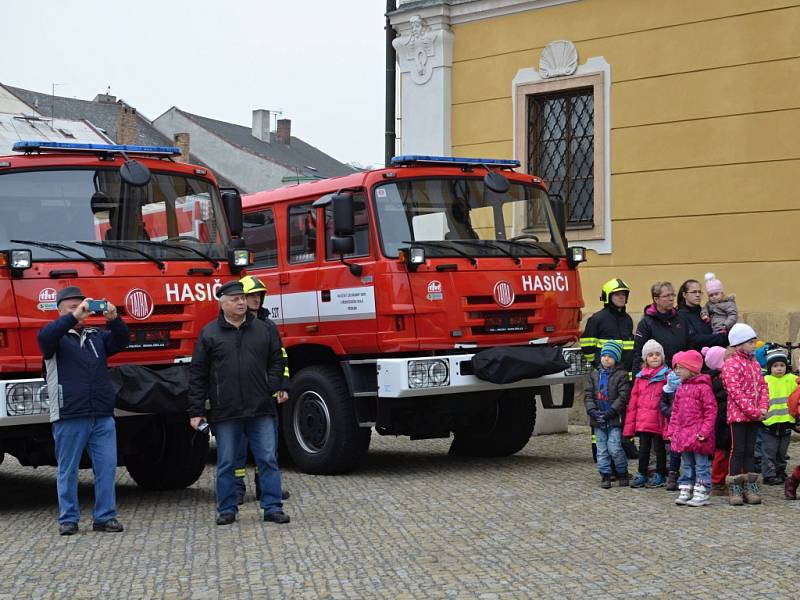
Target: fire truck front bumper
{"points": [[434, 376]]}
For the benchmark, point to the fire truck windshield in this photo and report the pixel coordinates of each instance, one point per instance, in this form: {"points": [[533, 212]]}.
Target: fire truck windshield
{"points": [[463, 215], [70, 206]]}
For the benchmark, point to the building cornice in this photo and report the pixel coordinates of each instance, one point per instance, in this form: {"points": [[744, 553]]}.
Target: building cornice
{"points": [[455, 12]]}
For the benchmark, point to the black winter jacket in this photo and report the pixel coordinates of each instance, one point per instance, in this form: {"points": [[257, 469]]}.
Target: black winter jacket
{"points": [[237, 369], [700, 332], [611, 323], [722, 430], [75, 367], [263, 315], [668, 329], [619, 391]]}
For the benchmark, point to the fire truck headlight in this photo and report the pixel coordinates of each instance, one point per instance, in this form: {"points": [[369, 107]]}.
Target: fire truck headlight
{"points": [[29, 398], [428, 373], [20, 259], [416, 256]]}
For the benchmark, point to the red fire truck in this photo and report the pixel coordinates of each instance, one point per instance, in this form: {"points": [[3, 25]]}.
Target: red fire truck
{"points": [[151, 235], [386, 283]]}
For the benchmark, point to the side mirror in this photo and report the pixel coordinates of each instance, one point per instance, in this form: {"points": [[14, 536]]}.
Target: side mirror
{"points": [[232, 202], [344, 221], [560, 211], [343, 244], [495, 182], [134, 173]]}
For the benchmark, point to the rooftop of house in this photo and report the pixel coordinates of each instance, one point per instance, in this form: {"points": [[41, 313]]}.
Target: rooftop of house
{"points": [[297, 155]]}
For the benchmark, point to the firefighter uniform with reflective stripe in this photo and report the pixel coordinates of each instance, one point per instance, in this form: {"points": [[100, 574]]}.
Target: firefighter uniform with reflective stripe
{"points": [[611, 323]]}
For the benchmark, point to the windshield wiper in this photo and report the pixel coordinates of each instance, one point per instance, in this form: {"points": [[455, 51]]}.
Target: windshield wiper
{"points": [[489, 244], [446, 246], [128, 248], [56, 246], [535, 244], [213, 261]]}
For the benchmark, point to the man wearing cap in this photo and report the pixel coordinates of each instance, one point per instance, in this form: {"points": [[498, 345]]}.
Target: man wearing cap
{"points": [[254, 293], [237, 365], [82, 403]]}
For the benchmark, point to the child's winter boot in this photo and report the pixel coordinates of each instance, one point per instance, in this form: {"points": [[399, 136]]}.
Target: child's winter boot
{"points": [[790, 485], [701, 496], [685, 495], [639, 480], [752, 494], [672, 481], [734, 483], [719, 489], [605, 481], [623, 479], [656, 481]]}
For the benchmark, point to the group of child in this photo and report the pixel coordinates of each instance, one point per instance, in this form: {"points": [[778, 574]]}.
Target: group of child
{"points": [[710, 408]]}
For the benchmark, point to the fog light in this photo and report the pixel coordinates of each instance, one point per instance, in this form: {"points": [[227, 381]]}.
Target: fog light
{"points": [[20, 259], [416, 256], [241, 258], [577, 254], [428, 373], [28, 398]]}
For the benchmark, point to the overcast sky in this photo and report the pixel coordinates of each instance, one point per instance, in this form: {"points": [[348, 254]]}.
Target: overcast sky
{"points": [[320, 62]]}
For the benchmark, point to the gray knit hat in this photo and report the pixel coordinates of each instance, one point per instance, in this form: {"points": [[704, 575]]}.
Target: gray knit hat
{"points": [[652, 346]]}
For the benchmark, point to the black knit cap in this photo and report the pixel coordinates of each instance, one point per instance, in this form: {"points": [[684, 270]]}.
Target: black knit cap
{"points": [[69, 293], [231, 288]]}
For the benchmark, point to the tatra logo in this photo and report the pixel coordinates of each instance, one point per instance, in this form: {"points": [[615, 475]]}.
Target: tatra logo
{"points": [[139, 304], [47, 295], [503, 294], [434, 287]]}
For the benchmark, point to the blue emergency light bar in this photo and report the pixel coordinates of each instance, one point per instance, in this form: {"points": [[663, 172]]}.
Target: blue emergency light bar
{"points": [[410, 159], [29, 147]]}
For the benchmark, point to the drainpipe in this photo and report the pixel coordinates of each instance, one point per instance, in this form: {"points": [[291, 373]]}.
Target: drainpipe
{"points": [[391, 61]]}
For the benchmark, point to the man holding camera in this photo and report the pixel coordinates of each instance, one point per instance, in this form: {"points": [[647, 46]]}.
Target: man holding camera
{"points": [[238, 365], [82, 403]]}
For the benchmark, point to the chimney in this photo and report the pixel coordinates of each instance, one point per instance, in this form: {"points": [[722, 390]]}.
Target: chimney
{"points": [[105, 99], [261, 125], [182, 142], [284, 131], [126, 124]]}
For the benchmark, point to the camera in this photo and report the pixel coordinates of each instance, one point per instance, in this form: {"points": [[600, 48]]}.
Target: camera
{"points": [[97, 306], [203, 426]]}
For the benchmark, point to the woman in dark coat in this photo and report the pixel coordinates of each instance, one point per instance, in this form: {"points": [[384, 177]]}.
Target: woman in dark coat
{"points": [[690, 296], [662, 323]]}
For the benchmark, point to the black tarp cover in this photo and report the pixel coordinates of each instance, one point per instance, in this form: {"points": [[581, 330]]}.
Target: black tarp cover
{"points": [[144, 390], [510, 364]]}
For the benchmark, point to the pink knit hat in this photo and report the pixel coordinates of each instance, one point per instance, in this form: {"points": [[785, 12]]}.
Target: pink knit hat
{"points": [[713, 285], [715, 356], [691, 359]]}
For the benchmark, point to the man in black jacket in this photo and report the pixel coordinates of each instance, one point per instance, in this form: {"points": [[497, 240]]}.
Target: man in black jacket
{"points": [[237, 365]]}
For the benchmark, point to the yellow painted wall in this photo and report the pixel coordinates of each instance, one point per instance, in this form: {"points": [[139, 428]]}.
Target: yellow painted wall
{"points": [[705, 137]]}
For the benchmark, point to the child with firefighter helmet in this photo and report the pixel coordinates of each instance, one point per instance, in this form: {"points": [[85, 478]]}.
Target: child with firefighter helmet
{"points": [[611, 323], [254, 292]]}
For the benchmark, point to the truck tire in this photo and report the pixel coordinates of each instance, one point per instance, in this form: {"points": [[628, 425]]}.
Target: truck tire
{"points": [[508, 428], [174, 459], [319, 423]]}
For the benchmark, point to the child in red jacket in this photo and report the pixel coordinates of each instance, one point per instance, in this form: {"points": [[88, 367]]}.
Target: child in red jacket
{"points": [[643, 417], [691, 428], [748, 401]]}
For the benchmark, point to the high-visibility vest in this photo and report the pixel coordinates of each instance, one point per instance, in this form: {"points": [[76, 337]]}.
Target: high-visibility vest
{"points": [[780, 388]]}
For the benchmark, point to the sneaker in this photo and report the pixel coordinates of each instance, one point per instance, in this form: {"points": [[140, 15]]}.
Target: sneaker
{"points": [[277, 516], [110, 526], [700, 497], [656, 481], [639, 481], [684, 496], [67, 528], [226, 518]]}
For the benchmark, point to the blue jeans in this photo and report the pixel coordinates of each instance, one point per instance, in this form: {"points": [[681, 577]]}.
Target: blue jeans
{"points": [[696, 469], [72, 437], [241, 465], [260, 435], [609, 446]]}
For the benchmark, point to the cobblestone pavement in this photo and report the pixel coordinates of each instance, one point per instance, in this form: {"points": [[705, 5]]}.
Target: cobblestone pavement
{"points": [[413, 523]]}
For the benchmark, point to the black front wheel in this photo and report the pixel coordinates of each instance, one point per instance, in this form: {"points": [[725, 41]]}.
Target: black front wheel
{"points": [[167, 456], [319, 424], [504, 429]]}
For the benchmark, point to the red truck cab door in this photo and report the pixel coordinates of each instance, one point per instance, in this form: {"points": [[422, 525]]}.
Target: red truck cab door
{"points": [[261, 237]]}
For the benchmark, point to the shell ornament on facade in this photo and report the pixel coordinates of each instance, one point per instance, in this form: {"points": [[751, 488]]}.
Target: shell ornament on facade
{"points": [[558, 59]]}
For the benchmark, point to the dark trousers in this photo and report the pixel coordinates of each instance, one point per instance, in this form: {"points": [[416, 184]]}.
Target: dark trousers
{"points": [[743, 447], [646, 442], [774, 447]]}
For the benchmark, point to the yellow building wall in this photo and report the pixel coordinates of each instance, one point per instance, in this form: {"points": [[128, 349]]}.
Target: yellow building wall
{"points": [[705, 137]]}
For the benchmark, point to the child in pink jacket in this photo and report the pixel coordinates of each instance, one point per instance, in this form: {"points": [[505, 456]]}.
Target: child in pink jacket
{"points": [[691, 428], [748, 401], [644, 418]]}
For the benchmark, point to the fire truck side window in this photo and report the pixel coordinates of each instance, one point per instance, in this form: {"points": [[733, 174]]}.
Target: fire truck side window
{"points": [[302, 234], [360, 235], [259, 236]]}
